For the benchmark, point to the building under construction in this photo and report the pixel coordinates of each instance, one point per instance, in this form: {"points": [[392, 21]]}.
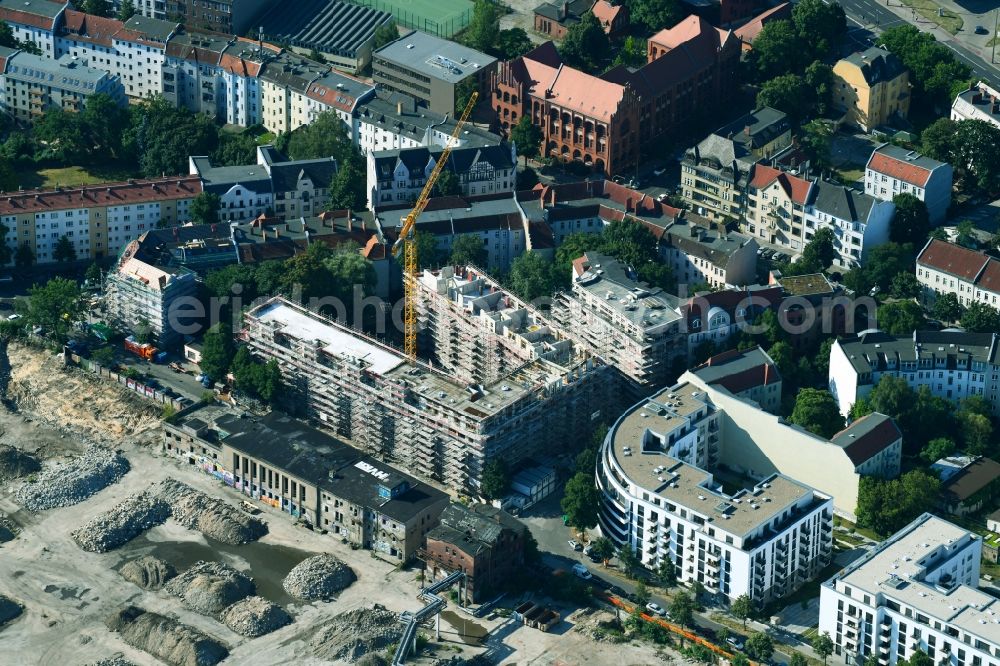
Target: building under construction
{"points": [[437, 424]]}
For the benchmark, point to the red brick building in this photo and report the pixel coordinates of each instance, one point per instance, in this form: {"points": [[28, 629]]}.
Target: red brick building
{"points": [[554, 19], [483, 541], [603, 121]]}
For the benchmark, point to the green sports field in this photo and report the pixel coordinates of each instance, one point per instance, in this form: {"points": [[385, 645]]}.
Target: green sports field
{"points": [[443, 18]]}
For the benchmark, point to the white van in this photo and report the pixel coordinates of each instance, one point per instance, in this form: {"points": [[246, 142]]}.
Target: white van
{"points": [[582, 572]]}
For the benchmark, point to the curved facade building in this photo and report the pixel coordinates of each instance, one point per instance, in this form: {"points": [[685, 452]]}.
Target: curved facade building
{"points": [[658, 498]]}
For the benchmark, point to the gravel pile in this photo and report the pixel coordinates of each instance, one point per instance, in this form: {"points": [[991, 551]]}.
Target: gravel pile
{"points": [[350, 636], [212, 517], [209, 587], [148, 572], [255, 616], [116, 527], [9, 609], [69, 483], [165, 638], [318, 577], [15, 463], [117, 659], [8, 528]]}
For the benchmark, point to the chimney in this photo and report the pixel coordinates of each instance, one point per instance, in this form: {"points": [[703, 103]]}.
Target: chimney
{"points": [[552, 199], [399, 108], [746, 130]]}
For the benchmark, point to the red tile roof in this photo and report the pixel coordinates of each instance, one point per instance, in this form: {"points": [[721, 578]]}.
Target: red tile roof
{"points": [[606, 13], [25, 18], [899, 169], [796, 188], [91, 29], [876, 439], [989, 280], [104, 194], [749, 31], [952, 259]]}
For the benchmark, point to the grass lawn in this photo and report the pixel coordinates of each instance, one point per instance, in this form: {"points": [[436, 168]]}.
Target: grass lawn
{"points": [[929, 10], [850, 173], [74, 176], [860, 530], [810, 633]]}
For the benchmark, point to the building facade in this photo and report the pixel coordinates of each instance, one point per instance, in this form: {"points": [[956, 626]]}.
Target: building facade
{"points": [[750, 375], [33, 85], [859, 221], [917, 590], [892, 170], [658, 498], [776, 205], [948, 268], [871, 88]]}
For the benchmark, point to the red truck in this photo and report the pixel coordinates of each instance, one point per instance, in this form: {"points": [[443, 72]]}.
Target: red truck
{"points": [[146, 350]]}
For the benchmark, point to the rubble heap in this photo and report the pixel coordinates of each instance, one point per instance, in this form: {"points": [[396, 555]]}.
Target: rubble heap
{"points": [[209, 587], [69, 483], [255, 616], [319, 577], [116, 527]]}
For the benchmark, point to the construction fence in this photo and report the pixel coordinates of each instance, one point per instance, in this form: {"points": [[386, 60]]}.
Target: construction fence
{"points": [[133, 385]]}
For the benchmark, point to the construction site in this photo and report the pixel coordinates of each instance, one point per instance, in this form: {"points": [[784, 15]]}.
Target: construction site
{"points": [[438, 421], [112, 552]]}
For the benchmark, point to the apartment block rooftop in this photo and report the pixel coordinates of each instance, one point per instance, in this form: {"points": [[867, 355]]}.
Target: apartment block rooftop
{"points": [[637, 449], [66, 73], [435, 57], [618, 286], [874, 350], [325, 25], [903, 568], [756, 129], [737, 371], [397, 113]]}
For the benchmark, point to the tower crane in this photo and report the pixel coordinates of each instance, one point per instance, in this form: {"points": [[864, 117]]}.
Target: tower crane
{"points": [[407, 238]]}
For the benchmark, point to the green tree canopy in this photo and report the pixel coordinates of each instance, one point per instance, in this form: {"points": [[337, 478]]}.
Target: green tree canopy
{"points": [[934, 70], [886, 506], [97, 8], [628, 561], [817, 255], [161, 137], [778, 50], [496, 479], [428, 255], [819, 77], [447, 184], [742, 608], [972, 147], [586, 45], [580, 501], [822, 644], [666, 573], [532, 276], [947, 308], [484, 26], [126, 10], [324, 137], [205, 208], [760, 646], [105, 122], [682, 609], [883, 264], [347, 189], [905, 285], [64, 250], [788, 92], [512, 43], [217, 351], [603, 548], [468, 250], [900, 317], [980, 318], [235, 150], [911, 224], [55, 306], [24, 256], [384, 34], [526, 137], [654, 15], [817, 411], [820, 26]]}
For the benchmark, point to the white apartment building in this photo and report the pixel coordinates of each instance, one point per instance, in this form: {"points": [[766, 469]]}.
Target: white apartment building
{"points": [[32, 85], [859, 221], [34, 21], [635, 327], [948, 268], [699, 254], [245, 192], [892, 170], [750, 375], [657, 498], [776, 206], [951, 364], [917, 590], [979, 102]]}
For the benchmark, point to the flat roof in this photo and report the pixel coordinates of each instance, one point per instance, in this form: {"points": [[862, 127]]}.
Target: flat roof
{"points": [[435, 57], [898, 567], [66, 73], [334, 340], [687, 485], [875, 350], [325, 25], [649, 308]]}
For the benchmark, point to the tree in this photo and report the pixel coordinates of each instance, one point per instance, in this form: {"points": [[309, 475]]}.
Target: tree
{"points": [[64, 250], [778, 50], [428, 255], [816, 138], [976, 430], [885, 506], [384, 34], [933, 67], [911, 224], [94, 274], [484, 26], [819, 252], [654, 15], [580, 501], [632, 52], [447, 184], [317, 56], [62, 135], [822, 644], [817, 411], [24, 256], [819, 77], [105, 122], [905, 285], [97, 8], [8, 179], [468, 250], [938, 139], [55, 306], [947, 308], [642, 595], [235, 150], [324, 137], [789, 92], [347, 189], [739, 659], [217, 351], [512, 43], [526, 137], [585, 45], [759, 645], [820, 26], [742, 608], [205, 208], [973, 150], [603, 549], [920, 658], [496, 479], [463, 93], [940, 447], [527, 178], [798, 660], [162, 136], [666, 573], [126, 10], [966, 234], [884, 263], [532, 276], [682, 609], [628, 561], [900, 317], [980, 318]]}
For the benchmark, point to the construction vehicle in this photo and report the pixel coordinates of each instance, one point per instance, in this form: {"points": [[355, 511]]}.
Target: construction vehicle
{"points": [[144, 350], [407, 242]]}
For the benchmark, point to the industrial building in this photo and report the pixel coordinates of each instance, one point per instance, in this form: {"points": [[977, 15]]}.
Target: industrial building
{"points": [[658, 498], [439, 426], [917, 590], [310, 475]]}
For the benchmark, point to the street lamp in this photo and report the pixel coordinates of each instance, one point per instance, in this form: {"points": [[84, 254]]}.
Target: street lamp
{"points": [[996, 34]]}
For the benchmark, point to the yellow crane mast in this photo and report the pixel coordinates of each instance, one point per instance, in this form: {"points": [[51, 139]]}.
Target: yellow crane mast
{"points": [[407, 243]]}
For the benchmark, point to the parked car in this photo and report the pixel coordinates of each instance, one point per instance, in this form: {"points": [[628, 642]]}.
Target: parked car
{"points": [[618, 179], [656, 609], [582, 572], [980, 30], [574, 544], [14, 317], [662, 196], [736, 641]]}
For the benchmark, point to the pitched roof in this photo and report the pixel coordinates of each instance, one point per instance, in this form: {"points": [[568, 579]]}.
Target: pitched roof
{"points": [[104, 194], [692, 46], [89, 28], [989, 279], [606, 13], [972, 479], [796, 188], [554, 11], [953, 259], [909, 166], [35, 13], [749, 31], [842, 203], [867, 436], [877, 65], [738, 371], [754, 300], [578, 91], [330, 26]]}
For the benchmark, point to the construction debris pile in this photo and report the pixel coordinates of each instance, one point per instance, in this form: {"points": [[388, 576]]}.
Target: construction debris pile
{"points": [[165, 638], [15, 463], [118, 526], [255, 616], [319, 577], [8, 528], [350, 636], [148, 572], [117, 659], [69, 483], [209, 587], [212, 517], [9, 609]]}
